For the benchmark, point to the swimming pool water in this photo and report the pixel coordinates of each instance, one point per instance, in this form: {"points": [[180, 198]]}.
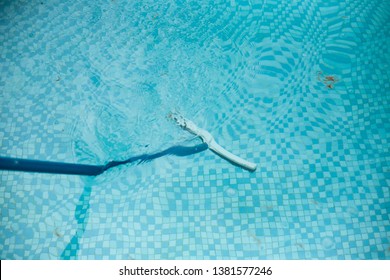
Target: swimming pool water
{"points": [[299, 87]]}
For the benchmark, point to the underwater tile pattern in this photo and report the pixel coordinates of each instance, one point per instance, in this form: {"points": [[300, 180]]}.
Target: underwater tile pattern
{"points": [[299, 87]]}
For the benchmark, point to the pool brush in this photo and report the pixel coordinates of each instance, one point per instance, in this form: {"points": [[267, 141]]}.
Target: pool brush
{"points": [[208, 139]]}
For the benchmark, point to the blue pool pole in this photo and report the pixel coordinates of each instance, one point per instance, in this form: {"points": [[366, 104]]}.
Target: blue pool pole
{"points": [[28, 165]]}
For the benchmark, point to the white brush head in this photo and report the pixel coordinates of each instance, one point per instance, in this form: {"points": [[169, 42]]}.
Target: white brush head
{"points": [[209, 140]]}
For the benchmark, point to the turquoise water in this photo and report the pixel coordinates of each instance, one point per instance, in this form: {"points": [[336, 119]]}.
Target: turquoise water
{"points": [[299, 87]]}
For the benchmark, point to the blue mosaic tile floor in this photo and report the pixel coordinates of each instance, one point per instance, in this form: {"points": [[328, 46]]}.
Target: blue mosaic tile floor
{"points": [[299, 87]]}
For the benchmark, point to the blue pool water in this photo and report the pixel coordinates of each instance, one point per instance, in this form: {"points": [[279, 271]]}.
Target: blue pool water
{"points": [[302, 88]]}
